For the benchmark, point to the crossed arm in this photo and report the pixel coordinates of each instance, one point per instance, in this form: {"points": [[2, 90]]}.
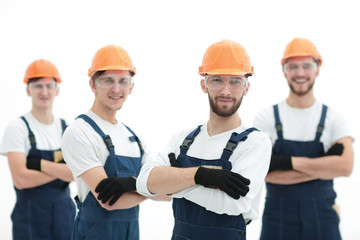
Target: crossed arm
{"points": [[95, 175], [126, 200], [167, 180], [26, 178], [158, 177], [307, 169]]}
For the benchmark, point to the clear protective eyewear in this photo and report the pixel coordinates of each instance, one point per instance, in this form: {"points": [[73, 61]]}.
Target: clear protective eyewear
{"points": [[109, 82], [291, 68], [235, 83], [38, 86]]}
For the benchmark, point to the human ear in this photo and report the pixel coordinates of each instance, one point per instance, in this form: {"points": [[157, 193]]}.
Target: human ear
{"points": [[203, 87]]}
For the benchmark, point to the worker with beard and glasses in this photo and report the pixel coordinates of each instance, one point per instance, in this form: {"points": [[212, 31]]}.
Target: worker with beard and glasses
{"points": [[215, 172]]}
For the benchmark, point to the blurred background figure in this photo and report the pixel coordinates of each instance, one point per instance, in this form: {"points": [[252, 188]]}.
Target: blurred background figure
{"points": [[312, 145], [44, 209]]}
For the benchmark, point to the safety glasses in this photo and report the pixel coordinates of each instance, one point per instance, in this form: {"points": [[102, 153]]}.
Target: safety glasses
{"points": [[291, 68], [38, 86], [109, 82], [235, 83]]}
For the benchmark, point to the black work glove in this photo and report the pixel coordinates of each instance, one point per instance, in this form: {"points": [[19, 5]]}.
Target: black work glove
{"points": [[113, 187], [280, 163], [33, 163], [231, 183], [336, 149], [173, 161]]}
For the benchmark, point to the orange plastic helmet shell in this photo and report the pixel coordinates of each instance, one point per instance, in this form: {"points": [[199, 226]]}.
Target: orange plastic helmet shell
{"points": [[41, 68], [299, 47], [226, 58], [111, 57]]}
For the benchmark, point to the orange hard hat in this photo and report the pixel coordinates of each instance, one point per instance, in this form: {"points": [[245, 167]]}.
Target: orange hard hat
{"points": [[299, 47], [111, 57], [41, 68], [226, 58]]}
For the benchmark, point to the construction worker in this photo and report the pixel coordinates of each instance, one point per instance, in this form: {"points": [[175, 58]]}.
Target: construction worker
{"points": [[105, 155], [44, 209], [218, 169], [312, 145]]}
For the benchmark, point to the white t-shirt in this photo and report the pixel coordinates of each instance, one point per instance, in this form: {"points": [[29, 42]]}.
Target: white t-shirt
{"points": [[16, 135], [301, 124], [84, 149], [250, 159]]}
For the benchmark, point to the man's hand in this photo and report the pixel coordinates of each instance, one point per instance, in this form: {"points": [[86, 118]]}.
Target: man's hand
{"points": [[231, 183], [114, 187], [33, 163], [280, 163], [285, 162], [336, 149]]}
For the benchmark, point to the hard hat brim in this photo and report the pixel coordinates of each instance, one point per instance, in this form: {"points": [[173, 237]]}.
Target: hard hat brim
{"points": [[301, 55], [58, 80], [226, 72], [91, 71]]}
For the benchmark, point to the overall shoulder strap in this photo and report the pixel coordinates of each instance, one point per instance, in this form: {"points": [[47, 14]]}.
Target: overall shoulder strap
{"points": [[189, 140], [320, 127], [31, 134], [106, 138], [234, 141], [134, 138], [278, 124], [63, 125]]}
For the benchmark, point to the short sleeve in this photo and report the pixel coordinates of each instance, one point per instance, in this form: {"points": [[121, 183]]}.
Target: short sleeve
{"points": [[265, 122], [79, 150], [15, 138]]}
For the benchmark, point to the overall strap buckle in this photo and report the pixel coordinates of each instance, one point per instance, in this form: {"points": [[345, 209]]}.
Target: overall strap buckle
{"points": [[107, 141], [230, 146], [278, 124], [234, 141], [31, 134], [189, 140]]}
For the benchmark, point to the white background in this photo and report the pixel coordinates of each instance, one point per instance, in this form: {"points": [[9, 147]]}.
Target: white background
{"points": [[166, 41]]}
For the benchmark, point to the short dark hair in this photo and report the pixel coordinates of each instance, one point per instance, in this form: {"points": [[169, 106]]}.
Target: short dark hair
{"points": [[30, 80], [97, 74]]}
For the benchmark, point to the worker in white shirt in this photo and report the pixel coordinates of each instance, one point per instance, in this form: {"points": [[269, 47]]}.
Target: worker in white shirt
{"points": [[105, 155], [216, 172], [312, 145], [44, 209]]}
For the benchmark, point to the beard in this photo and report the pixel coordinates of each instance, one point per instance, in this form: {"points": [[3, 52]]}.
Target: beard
{"points": [[224, 111], [303, 92]]}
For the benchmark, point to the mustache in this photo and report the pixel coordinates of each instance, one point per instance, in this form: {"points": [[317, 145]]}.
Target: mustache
{"points": [[225, 98]]}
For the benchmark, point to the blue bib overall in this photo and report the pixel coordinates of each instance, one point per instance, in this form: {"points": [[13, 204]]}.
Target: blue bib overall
{"points": [[46, 211], [193, 221], [300, 211], [94, 222]]}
